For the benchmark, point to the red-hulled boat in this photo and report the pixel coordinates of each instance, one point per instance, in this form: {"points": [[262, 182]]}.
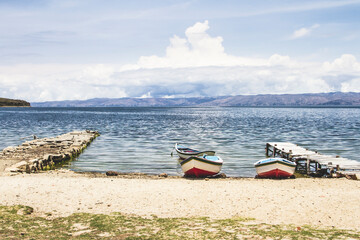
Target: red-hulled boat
{"points": [[203, 166], [275, 168]]}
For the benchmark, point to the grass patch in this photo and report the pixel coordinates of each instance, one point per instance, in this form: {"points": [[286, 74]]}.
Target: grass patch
{"points": [[18, 222]]}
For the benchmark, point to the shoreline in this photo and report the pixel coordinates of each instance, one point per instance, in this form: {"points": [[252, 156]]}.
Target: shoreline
{"points": [[322, 202]]}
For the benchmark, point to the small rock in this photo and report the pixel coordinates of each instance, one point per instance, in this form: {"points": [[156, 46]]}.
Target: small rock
{"points": [[25, 211], [112, 173], [12, 169], [9, 149], [163, 175], [35, 160], [206, 179], [20, 164], [351, 176], [222, 175], [28, 169]]}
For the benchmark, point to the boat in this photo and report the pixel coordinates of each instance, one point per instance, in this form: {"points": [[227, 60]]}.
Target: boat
{"points": [[275, 168], [185, 152], [201, 166]]}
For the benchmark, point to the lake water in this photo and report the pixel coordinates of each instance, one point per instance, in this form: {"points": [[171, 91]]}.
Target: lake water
{"points": [[141, 139]]}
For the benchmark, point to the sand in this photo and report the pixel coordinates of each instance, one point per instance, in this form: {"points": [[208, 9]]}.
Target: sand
{"points": [[320, 202], [6, 163]]}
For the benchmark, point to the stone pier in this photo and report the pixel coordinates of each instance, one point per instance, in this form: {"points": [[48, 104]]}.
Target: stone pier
{"points": [[44, 153]]}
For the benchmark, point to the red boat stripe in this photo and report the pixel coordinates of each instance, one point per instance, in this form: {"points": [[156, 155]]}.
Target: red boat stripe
{"points": [[276, 173], [196, 172]]}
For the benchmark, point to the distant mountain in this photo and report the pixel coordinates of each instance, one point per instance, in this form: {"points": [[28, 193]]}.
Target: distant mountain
{"points": [[310, 99], [128, 102], [6, 102], [263, 100]]}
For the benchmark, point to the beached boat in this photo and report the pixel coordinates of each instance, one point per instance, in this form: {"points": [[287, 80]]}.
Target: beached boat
{"points": [[203, 166], [185, 152], [275, 168]]}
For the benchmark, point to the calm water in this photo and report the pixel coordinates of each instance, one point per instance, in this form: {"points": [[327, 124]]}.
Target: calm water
{"points": [[141, 139]]}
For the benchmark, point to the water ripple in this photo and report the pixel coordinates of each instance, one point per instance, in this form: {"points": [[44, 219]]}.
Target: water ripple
{"points": [[141, 139]]}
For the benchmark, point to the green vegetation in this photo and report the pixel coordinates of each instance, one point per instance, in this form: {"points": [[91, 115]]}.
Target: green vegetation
{"points": [[18, 222], [5, 102]]}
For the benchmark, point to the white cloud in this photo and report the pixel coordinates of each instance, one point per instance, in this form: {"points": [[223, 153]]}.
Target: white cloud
{"points": [[303, 32], [198, 49], [346, 63], [279, 60], [343, 74], [351, 86], [147, 95], [196, 65], [98, 71]]}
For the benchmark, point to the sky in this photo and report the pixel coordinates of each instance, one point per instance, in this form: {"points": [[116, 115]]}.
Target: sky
{"points": [[53, 50]]}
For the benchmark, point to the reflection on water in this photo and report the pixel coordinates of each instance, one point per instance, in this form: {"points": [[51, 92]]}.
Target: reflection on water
{"points": [[141, 139]]}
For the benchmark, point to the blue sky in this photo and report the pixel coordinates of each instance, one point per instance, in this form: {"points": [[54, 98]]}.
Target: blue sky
{"points": [[62, 49]]}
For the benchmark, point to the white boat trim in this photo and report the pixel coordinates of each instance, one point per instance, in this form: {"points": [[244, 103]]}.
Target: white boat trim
{"points": [[272, 166], [194, 163]]}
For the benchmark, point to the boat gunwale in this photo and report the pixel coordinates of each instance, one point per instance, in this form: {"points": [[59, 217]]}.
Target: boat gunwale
{"points": [[204, 160], [257, 164], [195, 153]]}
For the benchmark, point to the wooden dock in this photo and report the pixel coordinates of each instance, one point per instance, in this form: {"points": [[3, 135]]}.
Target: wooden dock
{"points": [[312, 162]]}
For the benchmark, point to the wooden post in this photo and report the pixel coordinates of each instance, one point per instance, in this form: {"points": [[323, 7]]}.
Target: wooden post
{"points": [[290, 154], [267, 149], [308, 165], [274, 152]]}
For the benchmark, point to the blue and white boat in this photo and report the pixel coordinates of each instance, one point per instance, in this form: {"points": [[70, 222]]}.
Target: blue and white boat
{"points": [[201, 166], [275, 168]]}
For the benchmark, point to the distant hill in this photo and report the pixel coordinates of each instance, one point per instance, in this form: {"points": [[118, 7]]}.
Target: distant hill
{"points": [[128, 102], [310, 99], [263, 100], [6, 102]]}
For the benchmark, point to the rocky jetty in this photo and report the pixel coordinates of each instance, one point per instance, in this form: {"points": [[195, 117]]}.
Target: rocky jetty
{"points": [[6, 102], [40, 154]]}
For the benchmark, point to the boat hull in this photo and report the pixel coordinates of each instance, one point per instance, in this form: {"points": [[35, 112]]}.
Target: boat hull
{"points": [[200, 167], [275, 169]]}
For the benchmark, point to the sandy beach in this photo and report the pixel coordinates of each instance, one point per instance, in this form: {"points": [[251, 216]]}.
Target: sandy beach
{"points": [[316, 202]]}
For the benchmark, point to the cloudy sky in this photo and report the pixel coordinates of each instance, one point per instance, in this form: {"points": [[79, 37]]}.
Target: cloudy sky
{"points": [[69, 49]]}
